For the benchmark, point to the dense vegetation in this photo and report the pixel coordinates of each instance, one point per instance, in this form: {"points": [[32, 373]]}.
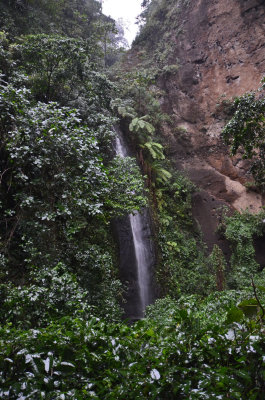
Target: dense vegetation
{"points": [[61, 333], [246, 132], [160, 28], [182, 351]]}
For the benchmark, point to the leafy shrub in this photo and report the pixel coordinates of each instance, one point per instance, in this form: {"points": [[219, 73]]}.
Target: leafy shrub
{"points": [[246, 131], [240, 230], [59, 191], [191, 353]]}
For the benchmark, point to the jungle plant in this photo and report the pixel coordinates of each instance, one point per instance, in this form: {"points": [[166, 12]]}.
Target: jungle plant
{"points": [[246, 131], [185, 349], [57, 66], [240, 230], [142, 128], [58, 196]]}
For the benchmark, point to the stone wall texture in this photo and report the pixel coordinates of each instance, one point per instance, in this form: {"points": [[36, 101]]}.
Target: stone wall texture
{"points": [[221, 54]]}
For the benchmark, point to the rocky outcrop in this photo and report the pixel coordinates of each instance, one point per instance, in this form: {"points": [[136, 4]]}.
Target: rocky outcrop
{"points": [[221, 54]]}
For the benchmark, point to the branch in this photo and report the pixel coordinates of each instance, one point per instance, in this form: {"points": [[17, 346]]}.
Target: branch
{"points": [[1, 175]]}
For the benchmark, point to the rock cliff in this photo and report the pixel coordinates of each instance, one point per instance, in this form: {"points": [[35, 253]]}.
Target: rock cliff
{"points": [[220, 51]]}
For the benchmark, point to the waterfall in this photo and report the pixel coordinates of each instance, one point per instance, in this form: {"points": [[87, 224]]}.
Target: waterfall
{"points": [[142, 259]]}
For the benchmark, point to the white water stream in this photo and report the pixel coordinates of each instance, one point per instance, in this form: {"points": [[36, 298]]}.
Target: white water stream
{"points": [[142, 251]]}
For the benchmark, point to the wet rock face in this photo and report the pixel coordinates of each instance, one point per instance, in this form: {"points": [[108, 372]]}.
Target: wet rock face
{"points": [[207, 211], [127, 264], [221, 54]]}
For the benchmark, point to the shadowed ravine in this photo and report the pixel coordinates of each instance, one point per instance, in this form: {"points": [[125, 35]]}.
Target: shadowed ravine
{"points": [[136, 255]]}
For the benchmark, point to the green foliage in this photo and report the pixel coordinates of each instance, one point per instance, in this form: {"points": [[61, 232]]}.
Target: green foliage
{"points": [[240, 230], [155, 150], [57, 195], [59, 188], [137, 90], [183, 266], [184, 349], [246, 131], [126, 187], [249, 307], [170, 69], [141, 127], [114, 41], [56, 66], [160, 25], [51, 294], [78, 18], [139, 106], [160, 175]]}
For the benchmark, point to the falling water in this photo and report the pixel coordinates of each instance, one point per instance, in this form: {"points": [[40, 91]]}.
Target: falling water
{"points": [[142, 259], [142, 248]]}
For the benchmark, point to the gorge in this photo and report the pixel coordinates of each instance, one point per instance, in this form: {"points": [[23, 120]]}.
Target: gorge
{"points": [[132, 262]]}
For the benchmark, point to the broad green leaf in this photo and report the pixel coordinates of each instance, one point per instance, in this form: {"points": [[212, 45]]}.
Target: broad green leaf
{"points": [[234, 315], [249, 307]]}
